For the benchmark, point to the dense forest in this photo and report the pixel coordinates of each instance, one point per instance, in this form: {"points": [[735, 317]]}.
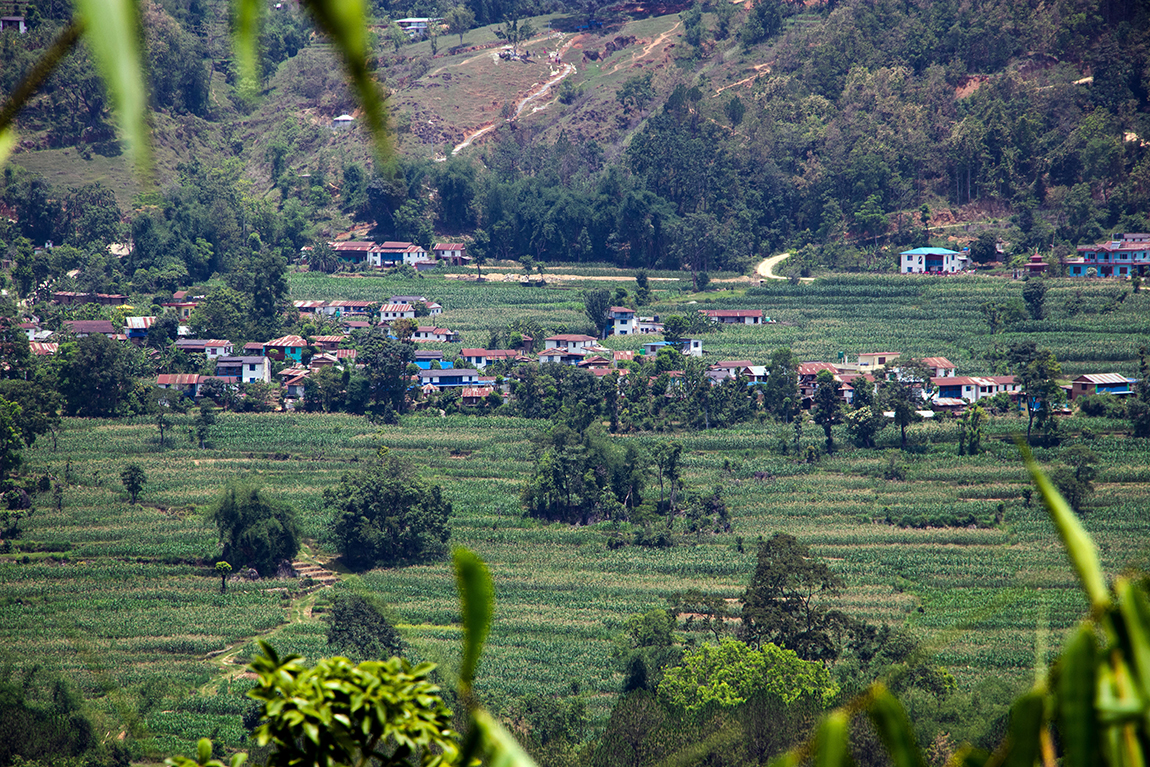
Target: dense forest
{"points": [[873, 120]]}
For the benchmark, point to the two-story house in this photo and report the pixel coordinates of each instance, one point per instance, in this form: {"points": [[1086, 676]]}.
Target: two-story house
{"points": [[623, 321], [246, 369]]}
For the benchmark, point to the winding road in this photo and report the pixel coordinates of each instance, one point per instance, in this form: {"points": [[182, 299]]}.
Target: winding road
{"points": [[766, 269]]}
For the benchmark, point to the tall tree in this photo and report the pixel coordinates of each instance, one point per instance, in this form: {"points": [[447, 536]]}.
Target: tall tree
{"points": [[1034, 294], [459, 20], [93, 375], [387, 516], [787, 602], [1037, 371], [781, 391], [597, 306], [828, 405], [256, 530]]}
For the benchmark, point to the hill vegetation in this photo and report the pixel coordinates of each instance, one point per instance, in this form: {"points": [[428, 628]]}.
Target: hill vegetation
{"points": [[840, 130]]}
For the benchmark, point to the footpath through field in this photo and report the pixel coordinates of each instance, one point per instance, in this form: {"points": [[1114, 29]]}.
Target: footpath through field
{"points": [[301, 612]]}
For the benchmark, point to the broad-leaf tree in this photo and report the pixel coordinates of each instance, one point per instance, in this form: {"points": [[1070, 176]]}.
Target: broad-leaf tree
{"points": [[256, 530], [386, 516], [787, 603]]}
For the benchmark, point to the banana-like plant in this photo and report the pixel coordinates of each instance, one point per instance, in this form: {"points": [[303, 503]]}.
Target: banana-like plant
{"points": [[111, 29]]}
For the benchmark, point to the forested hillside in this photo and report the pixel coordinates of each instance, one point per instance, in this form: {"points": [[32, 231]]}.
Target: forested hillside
{"points": [[700, 139]]}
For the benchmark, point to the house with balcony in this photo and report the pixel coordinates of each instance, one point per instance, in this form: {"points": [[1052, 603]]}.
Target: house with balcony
{"points": [[481, 358], [449, 377], [285, 348], [211, 348], [245, 369], [1124, 256], [623, 321], [1101, 383]]}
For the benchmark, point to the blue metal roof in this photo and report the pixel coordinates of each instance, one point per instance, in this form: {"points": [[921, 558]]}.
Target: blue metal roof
{"points": [[929, 252]]}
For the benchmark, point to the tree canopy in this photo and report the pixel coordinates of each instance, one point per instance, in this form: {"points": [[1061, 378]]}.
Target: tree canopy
{"points": [[387, 516], [256, 530], [787, 602]]}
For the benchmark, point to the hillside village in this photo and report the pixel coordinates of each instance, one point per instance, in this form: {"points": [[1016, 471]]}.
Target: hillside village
{"points": [[483, 377]]}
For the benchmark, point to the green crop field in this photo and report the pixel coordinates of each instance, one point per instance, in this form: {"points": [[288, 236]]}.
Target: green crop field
{"points": [[913, 314], [116, 596]]}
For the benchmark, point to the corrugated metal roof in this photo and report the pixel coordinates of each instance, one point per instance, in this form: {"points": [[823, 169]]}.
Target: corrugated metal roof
{"points": [[1103, 378]]}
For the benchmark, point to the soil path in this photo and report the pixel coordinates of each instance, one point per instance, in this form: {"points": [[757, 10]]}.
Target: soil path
{"points": [[758, 73], [228, 668], [537, 92], [766, 269], [648, 48]]}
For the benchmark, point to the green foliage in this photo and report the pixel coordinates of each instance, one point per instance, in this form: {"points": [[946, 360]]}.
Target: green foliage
{"points": [[94, 376], [827, 405], [1034, 294], [255, 530], [597, 306], [43, 721], [357, 627], [134, 479], [339, 713], [728, 674], [581, 477], [636, 92], [787, 601], [387, 516]]}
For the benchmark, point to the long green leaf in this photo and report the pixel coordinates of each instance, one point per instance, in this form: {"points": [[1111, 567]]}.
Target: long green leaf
{"points": [[1079, 545], [1136, 617], [476, 596], [1025, 726], [894, 728], [1078, 725], [246, 40], [500, 746], [345, 22], [7, 143], [112, 31], [834, 746]]}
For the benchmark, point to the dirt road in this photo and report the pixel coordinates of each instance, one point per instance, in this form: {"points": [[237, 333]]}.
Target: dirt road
{"points": [[766, 269]]}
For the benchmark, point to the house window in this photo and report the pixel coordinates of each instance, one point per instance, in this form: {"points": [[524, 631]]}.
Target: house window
{"points": [[251, 368], [882, 360]]}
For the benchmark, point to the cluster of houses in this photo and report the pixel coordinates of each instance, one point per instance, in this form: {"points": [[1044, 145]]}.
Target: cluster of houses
{"points": [[299, 358]]}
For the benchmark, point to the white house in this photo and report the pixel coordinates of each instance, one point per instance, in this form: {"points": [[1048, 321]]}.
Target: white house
{"points": [[872, 361], [569, 341], [972, 388], [449, 377], [432, 333], [481, 357], [623, 321], [939, 367], [691, 347], [735, 316], [246, 369], [932, 261], [389, 312]]}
